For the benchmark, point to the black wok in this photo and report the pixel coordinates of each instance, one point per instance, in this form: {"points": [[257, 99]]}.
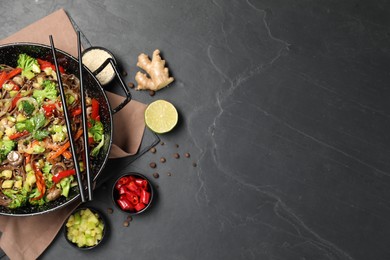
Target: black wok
{"points": [[9, 55]]}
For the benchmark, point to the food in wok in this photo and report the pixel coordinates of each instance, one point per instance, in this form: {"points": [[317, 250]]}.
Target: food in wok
{"points": [[36, 164]]}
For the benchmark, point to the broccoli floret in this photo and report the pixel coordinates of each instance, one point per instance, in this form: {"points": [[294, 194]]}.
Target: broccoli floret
{"points": [[95, 151], [49, 91], [96, 130], [18, 198], [36, 193], [65, 185], [6, 146], [29, 65]]}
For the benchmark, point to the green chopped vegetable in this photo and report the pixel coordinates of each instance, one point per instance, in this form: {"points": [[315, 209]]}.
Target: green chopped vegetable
{"points": [[96, 130], [18, 197], [40, 135], [70, 99], [30, 180], [49, 91], [7, 184], [35, 193], [6, 146], [38, 121], [6, 174], [27, 107], [24, 125], [65, 185], [47, 168], [96, 150], [85, 228], [33, 125], [38, 149], [29, 65]]}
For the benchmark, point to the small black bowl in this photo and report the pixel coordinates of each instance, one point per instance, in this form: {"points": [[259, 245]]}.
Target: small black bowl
{"points": [[100, 217], [99, 56], [116, 195]]}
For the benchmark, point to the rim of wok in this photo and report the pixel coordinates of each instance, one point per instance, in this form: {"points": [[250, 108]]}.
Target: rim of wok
{"points": [[91, 85]]}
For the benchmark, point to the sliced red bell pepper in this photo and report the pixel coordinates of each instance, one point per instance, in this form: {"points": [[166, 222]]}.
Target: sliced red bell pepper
{"points": [[15, 100], [91, 140], [4, 76], [59, 176], [14, 72], [95, 110], [43, 64], [18, 135], [49, 109], [76, 112]]}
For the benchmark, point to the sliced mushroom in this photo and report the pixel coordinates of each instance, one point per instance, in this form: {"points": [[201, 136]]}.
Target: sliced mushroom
{"points": [[53, 194], [15, 158], [4, 200]]}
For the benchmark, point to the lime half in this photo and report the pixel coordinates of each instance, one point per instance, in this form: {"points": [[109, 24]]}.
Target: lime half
{"points": [[161, 116]]}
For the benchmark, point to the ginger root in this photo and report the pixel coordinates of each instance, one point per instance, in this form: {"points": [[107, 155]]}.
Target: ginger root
{"points": [[158, 73]]}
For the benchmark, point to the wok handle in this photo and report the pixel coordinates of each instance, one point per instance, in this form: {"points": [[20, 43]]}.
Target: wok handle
{"points": [[123, 85]]}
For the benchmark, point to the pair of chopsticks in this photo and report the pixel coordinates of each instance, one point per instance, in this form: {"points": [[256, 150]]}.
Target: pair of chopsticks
{"points": [[84, 121]]}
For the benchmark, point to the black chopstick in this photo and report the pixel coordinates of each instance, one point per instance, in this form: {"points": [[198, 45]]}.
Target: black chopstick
{"points": [[84, 119], [68, 126]]}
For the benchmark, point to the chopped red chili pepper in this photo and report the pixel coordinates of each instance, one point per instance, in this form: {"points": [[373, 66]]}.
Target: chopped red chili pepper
{"points": [[145, 196], [132, 186], [124, 204], [122, 189], [142, 183], [122, 181], [140, 206], [133, 193], [132, 197]]}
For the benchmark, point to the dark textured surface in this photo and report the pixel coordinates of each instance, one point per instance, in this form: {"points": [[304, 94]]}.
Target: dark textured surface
{"points": [[284, 108]]}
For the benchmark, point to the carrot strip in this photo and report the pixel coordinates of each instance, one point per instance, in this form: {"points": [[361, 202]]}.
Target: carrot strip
{"points": [[28, 157], [65, 147], [40, 181], [67, 154]]}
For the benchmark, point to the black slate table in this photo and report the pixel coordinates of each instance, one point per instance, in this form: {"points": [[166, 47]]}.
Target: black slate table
{"points": [[284, 108]]}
